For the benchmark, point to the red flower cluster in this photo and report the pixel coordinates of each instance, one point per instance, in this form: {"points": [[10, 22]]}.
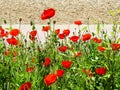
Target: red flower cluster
{"points": [[30, 69], [47, 62], [97, 40], [15, 32], [74, 38], [15, 53], [46, 28], [66, 32], [47, 14], [66, 64], [101, 70], [50, 79], [25, 86], [7, 52], [33, 34], [57, 31], [77, 22], [62, 48], [60, 73], [101, 48], [77, 54], [3, 33], [12, 41], [61, 36], [89, 72], [115, 46], [86, 37]]}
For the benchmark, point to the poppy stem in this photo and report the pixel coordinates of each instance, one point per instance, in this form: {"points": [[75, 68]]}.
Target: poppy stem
{"points": [[85, 88], [112, 75]]}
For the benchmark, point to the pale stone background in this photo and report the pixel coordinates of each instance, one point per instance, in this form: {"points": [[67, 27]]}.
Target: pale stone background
{"points": [[25, 29], [66, 10]]}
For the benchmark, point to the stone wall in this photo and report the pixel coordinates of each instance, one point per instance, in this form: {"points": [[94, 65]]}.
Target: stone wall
{"points": [[66, 10]]}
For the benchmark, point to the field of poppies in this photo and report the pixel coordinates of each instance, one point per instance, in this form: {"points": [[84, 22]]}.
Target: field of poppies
{"points": [[84, 61]]}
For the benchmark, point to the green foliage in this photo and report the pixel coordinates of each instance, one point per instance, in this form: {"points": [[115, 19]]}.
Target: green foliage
{"points": [[82, 75]]}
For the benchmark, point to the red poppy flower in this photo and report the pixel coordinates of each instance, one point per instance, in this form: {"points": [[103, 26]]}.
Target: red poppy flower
{"points": [[2, 32], [77, 54], [61, 36], [78, 22], [101, 70], [47, 14], [84, 70], [5, 34], [97, 40], [74, 38], [50, 79], [66, 64], [57, 31], [30, 69], [47, 62], [89, 72], [15, 32], [7, 52], [15, 53], [62, 48], [86, 37], [101, 48], [46, 28], [60, 73], [33, 33], [66, 32], [12, 41], [25, 86], [32, 38], [115, 46]]}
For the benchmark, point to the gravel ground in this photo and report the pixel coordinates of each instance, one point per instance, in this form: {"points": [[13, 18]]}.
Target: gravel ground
{"points": [[66, 10]]}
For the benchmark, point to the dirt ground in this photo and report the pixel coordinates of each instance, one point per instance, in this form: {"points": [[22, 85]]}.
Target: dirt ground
{"points": [[66, 10]]}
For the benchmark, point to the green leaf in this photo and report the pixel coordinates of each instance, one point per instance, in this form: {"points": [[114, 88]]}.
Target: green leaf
{"points": [[118, 40], [84, 28], [56, 67], [103, 24], [119, 31], [98, 28], [9, 28], [112, 33]]}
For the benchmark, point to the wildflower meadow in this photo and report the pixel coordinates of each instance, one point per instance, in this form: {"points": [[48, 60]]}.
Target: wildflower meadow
{"points": [[84, 60]]}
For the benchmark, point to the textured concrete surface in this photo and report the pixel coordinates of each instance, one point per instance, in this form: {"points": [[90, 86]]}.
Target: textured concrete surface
{"points": [[66, 10]]}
